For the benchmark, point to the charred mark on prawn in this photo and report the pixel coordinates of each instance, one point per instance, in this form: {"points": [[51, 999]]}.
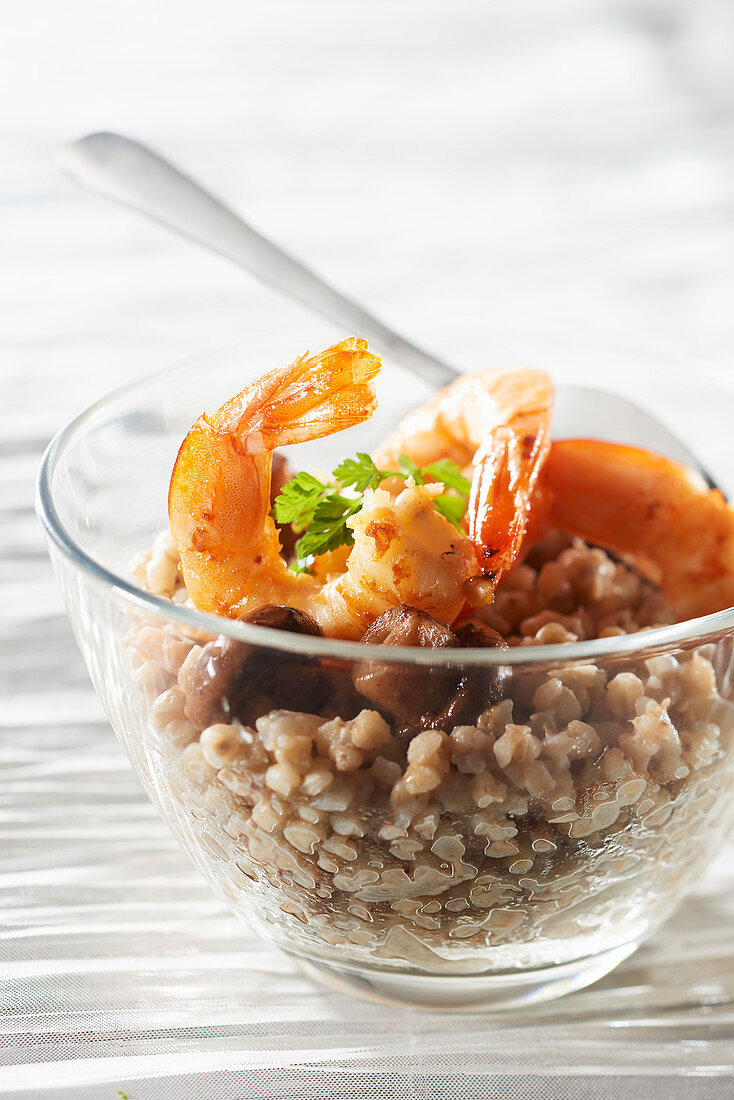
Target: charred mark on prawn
{"points": [[382, 533], [400, 572], [528, 445], [200, 540]]}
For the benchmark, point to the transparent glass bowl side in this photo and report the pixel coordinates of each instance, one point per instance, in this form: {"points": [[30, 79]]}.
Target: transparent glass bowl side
{"points": [[502, 889], [467, 879]]}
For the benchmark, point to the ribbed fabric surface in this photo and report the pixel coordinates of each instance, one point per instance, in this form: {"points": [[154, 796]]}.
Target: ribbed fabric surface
{"points": [[449, 165]]}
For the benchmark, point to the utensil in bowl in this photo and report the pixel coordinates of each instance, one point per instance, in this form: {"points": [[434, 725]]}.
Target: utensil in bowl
{"points": [[134, 175]]}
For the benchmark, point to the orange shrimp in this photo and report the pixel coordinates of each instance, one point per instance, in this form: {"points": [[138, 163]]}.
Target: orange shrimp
{"points": [[659, 515], [219, 507], [498, 422], [219, 495]]}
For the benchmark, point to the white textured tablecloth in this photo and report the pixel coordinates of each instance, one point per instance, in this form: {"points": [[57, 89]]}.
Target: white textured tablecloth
{"points": [[566, 164]]}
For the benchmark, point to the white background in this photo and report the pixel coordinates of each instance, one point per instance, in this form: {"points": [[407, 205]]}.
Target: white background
{"points": [[568, 162], [453, 164]]}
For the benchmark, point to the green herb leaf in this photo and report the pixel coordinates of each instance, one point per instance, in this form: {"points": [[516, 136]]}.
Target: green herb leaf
{"points": [[451, 508], [328, 529], [449, 473], [361, 473], [409, 469], [302, 565], [297, 500]]}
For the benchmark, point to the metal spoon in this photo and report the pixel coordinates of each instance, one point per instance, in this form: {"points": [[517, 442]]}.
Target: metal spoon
{"points": [[132, 174]]}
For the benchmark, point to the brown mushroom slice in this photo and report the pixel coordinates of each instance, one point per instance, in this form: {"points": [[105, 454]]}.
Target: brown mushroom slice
{"points": [[479, 686], [231, 679], [473, 634], [406, 692], [422, 697]]}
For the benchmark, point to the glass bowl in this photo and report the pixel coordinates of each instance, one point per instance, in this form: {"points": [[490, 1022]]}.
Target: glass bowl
{"points": [[518, 852]]}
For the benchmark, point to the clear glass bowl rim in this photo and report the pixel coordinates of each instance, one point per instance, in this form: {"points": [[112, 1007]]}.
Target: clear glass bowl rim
{"points": [[689, 632]]}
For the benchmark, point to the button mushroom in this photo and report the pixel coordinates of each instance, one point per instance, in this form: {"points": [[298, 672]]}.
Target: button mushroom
{"points": [[479, 686], [422, 697], [405, 691], [233, 679]]}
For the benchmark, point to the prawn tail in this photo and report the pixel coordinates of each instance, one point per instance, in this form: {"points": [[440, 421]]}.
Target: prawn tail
{"points": [[311, 397], [500, 506]]}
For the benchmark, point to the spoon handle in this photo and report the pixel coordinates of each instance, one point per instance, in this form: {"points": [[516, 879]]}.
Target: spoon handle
{"points": [[130, 173]]}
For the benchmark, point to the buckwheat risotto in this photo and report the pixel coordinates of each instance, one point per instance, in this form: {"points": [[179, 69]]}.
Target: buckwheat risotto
{"points": [[415, 813]]}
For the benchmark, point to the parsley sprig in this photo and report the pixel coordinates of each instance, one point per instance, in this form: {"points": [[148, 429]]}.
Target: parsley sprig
{"points": [[320, 511]]}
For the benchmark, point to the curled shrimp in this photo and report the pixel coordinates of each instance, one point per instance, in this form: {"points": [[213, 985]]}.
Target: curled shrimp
{"points": [[497, 422], [219, 495], [219, 507], [659, 515]]}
